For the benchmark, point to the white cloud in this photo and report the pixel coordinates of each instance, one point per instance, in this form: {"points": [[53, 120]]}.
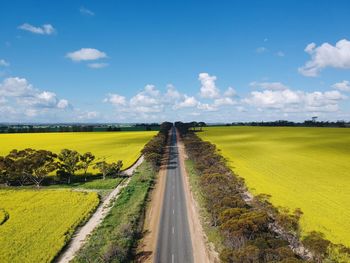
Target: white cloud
{"points": [[241, 109], [187, 102], [46, 29], [15, 87], [85, 54], [45, 99], [230, 92], [208, 88], [343, 86], [326, 55], [295, 101], [2, 100], [260, 50], [85, 115], [115, 99], [20, 94], [62, 104], [280, 54], [151, 90], [86, 11], [270, 101], [31, 112], [273, 99], [4, 63], [206, 107], [223, 101], [147, 97], [268, 85], [148, 100], [92, 114], [172, 93], [97, 65], [151, 102]]}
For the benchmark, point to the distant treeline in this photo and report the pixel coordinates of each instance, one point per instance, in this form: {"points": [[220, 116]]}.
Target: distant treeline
{"points": [[10, 128], [284, 123]]}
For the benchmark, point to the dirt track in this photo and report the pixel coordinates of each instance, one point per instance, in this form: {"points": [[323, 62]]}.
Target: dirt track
{"points": [[82, 233]]}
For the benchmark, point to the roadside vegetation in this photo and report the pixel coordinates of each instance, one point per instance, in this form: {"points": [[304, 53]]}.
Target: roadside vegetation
{"points": [[36, 225], [251, 229], [116, 238], [212, 232]]}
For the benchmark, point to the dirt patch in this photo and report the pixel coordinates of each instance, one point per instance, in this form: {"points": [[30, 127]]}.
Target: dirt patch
{"points": [[203, 251]]}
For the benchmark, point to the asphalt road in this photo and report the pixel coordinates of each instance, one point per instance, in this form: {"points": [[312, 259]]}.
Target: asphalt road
{"points": [[174, 238]]}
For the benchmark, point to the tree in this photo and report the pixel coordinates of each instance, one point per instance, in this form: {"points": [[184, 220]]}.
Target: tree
{"points": [[69, 163], [201, 124], [194, 124], [6, 170], [86, 161], [116, 168], [108, 168], [21, 169], [316, 242], [32, 164], [42, 163], [103, 167]]}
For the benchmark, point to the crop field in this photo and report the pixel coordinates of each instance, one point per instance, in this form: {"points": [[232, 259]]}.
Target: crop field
{"points": [[40, 222], [113, 146], [307, 168]]}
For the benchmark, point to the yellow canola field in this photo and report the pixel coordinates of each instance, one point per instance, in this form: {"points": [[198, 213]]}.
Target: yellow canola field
{"points": [[40, 222], [307, 168], [114, 146]]}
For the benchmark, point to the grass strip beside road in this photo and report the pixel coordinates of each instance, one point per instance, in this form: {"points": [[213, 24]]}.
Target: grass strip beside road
{"points": [[115, 238]]}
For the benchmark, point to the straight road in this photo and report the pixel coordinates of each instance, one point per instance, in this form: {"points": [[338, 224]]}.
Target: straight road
{"points": [[174, 238]]}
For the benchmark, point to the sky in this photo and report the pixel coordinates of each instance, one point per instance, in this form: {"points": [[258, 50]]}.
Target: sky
{"points": [[151, 61]]}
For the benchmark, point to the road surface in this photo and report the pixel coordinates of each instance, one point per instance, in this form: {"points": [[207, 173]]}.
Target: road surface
{"points": [[174, 238]]}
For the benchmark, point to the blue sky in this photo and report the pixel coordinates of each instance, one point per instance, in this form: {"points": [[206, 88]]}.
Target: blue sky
{"points": [[133, 61]]}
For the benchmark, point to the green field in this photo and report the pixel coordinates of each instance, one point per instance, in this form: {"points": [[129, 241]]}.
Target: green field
{"points": [[40, 222], [125, 146], [307, 168]]}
